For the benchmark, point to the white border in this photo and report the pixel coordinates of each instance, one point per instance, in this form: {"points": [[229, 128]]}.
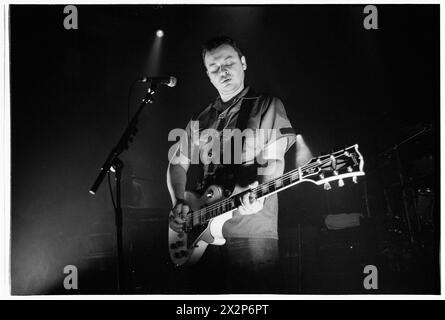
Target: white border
{"points": [[5, 165], [5, 172]]}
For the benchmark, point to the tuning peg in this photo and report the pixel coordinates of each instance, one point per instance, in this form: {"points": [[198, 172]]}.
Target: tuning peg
{"points": [[333, 161], [341, 183], [354, 179], [327, 186]]}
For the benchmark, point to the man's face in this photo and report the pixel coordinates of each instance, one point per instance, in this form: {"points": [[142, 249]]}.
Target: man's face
{"points": [[225, 69]]}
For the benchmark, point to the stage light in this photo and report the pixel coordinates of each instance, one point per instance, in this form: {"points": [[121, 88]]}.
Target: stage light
{"points": [[159, 33]]}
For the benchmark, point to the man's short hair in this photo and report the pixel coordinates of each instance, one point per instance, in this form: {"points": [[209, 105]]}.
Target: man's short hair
{"points": [[215, 42]]}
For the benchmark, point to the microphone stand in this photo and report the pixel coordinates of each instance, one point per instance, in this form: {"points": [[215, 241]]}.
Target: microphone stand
{"points": [[114, 164]]}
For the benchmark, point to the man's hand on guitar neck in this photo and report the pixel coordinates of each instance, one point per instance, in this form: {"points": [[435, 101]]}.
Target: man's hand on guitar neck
{"points": [[249, 204], [178, 215]]}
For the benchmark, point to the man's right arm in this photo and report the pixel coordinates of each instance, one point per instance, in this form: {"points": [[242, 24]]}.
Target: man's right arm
{"points": [[176, 182]]}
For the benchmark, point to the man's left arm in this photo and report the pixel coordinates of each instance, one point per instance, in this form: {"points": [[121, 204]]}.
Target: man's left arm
{"points": [[278, 138]]}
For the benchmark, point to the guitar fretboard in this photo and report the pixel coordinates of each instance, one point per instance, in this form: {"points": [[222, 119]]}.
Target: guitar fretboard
{"points": [[263, 190], [336, 166]]}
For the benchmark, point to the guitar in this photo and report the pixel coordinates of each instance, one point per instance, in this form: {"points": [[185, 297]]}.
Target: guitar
{"points": [[203, 224]]}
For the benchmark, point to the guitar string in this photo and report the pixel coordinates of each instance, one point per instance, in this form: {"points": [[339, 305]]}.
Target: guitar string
{"points": [[230, 200], [256, 189], [227, 200], [224, 202]]}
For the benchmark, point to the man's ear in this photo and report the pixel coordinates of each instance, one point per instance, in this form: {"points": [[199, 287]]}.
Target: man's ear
{"points": [[243, 62]]}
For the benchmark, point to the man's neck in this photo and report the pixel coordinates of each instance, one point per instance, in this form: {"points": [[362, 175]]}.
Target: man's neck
{"points": [[227, 97]]}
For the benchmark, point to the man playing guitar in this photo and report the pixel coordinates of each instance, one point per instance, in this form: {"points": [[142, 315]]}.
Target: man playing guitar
{"points": [[248, 261]]}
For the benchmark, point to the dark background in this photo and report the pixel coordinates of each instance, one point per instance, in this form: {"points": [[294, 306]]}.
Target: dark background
{"points": [[341, 84]]}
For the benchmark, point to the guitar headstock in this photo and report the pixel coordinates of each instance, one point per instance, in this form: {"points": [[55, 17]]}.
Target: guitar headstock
{"points": [[339, 165]]}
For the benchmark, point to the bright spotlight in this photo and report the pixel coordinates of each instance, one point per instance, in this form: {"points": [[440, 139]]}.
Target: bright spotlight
{"points": [[159, 33]]}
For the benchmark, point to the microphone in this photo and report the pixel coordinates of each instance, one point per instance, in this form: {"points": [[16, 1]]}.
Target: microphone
{"points": [[168, 81]]}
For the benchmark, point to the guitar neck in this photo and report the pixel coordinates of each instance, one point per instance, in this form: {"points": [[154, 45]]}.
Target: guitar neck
{"points": [[263, 190], [323, 169], [281, 183]]}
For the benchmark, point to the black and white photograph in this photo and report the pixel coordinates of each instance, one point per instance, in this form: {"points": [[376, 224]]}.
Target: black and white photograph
{"points": [[203, 149]]}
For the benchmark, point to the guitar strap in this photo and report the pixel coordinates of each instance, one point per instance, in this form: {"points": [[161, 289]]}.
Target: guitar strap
{"points": [[244, 174], [236, 171], [245, 111]]}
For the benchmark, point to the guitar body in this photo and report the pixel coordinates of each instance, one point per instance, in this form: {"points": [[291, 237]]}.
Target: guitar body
{"points": [[186, 248]]}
